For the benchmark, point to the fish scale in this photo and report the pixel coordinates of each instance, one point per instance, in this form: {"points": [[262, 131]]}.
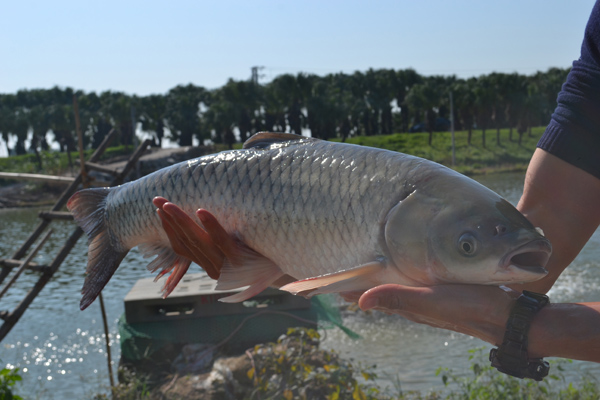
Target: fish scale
{"points": [[352, 215], [268, 182]]}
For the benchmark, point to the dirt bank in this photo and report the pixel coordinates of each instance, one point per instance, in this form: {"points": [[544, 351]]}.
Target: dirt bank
{"points": [[28, 195]]}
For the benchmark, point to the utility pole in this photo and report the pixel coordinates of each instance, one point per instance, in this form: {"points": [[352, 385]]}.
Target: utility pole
{"points": [[255, 75], [452, 128]]}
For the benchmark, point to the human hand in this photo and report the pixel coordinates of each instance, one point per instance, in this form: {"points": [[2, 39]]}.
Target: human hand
{"points": [[475, 310], [207, 246]]}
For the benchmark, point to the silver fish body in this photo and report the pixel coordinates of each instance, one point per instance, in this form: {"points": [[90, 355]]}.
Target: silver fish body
{"points": [[354, 216]]}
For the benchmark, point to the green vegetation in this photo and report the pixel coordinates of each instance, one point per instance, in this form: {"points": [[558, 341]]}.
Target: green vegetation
{"points": [[487, 383], [374, 102], [54, 162], [470, 159], [509, 155], [8, 378], [294, 368]]}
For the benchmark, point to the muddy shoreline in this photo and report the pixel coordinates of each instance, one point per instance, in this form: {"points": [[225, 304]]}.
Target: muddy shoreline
{"points": [[22, 194]]}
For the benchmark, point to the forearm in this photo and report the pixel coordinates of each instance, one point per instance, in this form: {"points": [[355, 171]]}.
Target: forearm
{"points": [[566, 330], [565, 202]]}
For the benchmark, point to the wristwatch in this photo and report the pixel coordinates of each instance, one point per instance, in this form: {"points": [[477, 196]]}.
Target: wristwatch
{"points": [[511, 356]]}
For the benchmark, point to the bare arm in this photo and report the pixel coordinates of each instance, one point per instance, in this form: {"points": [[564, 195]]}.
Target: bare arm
{"points": [[565, 202], [570, 330]]}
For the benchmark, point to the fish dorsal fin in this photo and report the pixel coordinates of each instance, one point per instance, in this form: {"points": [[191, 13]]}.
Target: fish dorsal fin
{"points": [[265, 139]]}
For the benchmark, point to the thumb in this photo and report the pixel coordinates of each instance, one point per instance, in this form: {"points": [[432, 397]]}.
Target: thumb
{"points": [[391, 297]]}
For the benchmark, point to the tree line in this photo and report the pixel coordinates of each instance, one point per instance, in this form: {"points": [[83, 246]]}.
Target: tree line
{"points": [[338, 105]]}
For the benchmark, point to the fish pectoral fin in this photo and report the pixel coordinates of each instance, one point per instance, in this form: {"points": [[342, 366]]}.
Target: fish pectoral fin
{"points": [[362, 277], [257, 271], [168, 261], [179, 267]]}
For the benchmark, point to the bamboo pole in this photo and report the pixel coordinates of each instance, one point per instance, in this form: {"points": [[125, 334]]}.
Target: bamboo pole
{"points": [[36, 177], [62, 215], [107, 339], [25, 264], [101, 168], [61, 201], [10, 319], [9, 264]]}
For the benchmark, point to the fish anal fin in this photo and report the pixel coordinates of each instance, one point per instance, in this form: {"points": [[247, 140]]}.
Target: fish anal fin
{"points": [[362, 277], [265, 139], [257, 271], [252, 291]]}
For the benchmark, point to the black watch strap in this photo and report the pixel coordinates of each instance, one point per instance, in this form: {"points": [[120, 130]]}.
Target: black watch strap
{"points": [[511, 357]]}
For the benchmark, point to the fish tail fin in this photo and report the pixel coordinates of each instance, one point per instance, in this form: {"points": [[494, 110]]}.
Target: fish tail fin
{"points": [[105, 252]]}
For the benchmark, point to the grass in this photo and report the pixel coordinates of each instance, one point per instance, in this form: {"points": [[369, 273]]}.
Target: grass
{"points": [[53, 162], [470, 159]]}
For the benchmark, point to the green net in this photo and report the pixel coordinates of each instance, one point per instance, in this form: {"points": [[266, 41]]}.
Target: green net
{"points": [[232, 334]]}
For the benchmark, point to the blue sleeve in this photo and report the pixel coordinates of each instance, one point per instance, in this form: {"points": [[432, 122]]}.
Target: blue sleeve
{"points": [[574, 130]]}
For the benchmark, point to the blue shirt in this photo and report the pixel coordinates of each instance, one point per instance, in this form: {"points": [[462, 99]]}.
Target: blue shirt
{"points": [[574, 130]]}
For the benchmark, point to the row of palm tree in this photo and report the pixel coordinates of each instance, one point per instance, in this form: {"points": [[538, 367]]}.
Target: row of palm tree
{"points": [[336, 105]]}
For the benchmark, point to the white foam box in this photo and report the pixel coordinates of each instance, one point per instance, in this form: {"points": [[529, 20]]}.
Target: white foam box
{"points": [[196, 297]]}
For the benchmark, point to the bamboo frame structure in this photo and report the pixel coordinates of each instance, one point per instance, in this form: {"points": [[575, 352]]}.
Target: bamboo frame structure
{"points": [[47, 271]]}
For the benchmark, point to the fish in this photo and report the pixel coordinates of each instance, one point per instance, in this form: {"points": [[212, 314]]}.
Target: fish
{"points": [[334, 217]]}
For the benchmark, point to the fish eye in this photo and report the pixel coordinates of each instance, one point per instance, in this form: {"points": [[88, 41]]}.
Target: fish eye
{"points": [[467, 244]]}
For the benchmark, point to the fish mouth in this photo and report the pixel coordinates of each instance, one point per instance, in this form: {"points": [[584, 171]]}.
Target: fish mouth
{"points": [[529, 259]]}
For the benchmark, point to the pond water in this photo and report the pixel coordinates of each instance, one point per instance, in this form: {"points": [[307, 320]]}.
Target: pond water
{"points": [[61, 351]]}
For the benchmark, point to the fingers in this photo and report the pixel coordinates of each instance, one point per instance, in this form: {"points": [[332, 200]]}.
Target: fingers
{"points": [[223, 240], [188, 239], [390, 297], [182, 246], [159, 201], [196, 240]]}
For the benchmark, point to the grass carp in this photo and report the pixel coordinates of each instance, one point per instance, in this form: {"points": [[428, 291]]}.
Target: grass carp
{"points": [[336, 217]]}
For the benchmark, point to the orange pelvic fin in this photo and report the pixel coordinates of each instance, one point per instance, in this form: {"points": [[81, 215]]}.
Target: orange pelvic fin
{"points": [[362, 277]]}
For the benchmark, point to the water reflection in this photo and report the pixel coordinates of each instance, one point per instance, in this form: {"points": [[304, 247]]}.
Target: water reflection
{"points": [[61, 350]]}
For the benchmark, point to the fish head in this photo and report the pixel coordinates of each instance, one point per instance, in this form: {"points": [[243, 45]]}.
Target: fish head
{"points": [[464, 233]]}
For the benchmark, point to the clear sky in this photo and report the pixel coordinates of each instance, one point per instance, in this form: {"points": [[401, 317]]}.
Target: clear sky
{"points": [[143, 47]]}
